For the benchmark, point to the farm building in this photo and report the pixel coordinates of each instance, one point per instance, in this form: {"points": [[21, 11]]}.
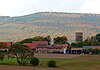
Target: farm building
{"points": [[43, 47], [2, 44], [36, 44], [76, 50]]}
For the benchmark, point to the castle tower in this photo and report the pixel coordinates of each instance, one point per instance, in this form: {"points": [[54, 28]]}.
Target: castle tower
{"points": [[79, 36]]}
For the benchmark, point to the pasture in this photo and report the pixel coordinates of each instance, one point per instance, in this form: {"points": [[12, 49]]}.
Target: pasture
{"points": [[64, 62]]}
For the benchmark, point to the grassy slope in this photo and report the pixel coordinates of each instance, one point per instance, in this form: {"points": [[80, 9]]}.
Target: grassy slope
{"points": [[47, 23]]}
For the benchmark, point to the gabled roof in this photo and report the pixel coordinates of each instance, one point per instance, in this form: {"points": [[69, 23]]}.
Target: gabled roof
{"points": [[34, 44]]}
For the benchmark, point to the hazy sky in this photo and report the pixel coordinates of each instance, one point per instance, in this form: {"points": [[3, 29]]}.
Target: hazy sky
{"points": [[24, 7]]}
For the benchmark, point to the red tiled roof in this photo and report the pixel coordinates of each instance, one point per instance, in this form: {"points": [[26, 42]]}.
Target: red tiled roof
{"points": [[8, 43], [76, 48], [5, 44], [34, 44], [29, 45]]}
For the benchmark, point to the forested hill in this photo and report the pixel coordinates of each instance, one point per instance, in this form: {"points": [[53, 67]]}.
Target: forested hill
{"points": [[48, 23]]}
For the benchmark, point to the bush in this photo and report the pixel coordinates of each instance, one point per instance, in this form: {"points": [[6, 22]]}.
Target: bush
{"points": [[96, 51], [2, 56], [52, 63], [34, 61], [85, 51]]}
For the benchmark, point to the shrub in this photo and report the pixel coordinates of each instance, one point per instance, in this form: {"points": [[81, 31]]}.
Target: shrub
{"points": [[34, 61], [52, 63], [96, 51], [85, 51], [2, 56]]}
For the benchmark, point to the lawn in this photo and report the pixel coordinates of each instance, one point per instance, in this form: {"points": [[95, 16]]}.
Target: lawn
{"points": [[75, 64], [10, 61], [84, 62]]}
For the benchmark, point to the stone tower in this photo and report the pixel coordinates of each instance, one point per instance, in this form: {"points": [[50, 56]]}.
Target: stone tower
{"points": [[79, 36]]}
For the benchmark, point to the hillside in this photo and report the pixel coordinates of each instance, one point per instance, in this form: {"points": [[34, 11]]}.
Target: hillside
{"points": [[48, 23]]}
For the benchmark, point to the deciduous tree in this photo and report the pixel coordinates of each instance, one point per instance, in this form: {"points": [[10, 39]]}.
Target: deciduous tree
{"points": [[22, 53], [60, 40]]}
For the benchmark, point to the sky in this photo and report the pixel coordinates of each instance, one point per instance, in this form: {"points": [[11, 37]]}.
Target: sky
{"points": [[25, 7]]}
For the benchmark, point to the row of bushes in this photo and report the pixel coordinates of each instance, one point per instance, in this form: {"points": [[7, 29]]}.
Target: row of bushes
{"points": [[92, 51], [35, 62]]}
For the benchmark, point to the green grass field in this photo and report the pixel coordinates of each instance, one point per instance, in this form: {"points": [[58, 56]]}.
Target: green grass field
{"points": [[85, 62], [75, 64]]}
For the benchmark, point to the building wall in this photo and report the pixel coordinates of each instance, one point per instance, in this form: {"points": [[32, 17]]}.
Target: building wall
{"points": [[35, 43], [55, 50], [64, 45], [42, 50]]}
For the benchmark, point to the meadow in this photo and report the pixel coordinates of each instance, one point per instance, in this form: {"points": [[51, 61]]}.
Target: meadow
{"points": [[78, 62]]}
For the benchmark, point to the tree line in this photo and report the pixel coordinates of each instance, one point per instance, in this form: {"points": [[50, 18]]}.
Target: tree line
{"points": [[56, 40]]}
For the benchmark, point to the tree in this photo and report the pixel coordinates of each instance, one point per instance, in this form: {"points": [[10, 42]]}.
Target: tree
{"points": [[96, 51], [60, 40], [3, 50], [88, 41], [41, 38], [48, 38], [22, 53], [2, 55], [74, 45], [77, 45], [37, 38], [98, 38], [29, 40], [80, 44]]}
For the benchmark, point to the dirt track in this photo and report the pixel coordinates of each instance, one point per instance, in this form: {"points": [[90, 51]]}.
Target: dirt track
{"points": [[57, 55], [6, 67]]}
